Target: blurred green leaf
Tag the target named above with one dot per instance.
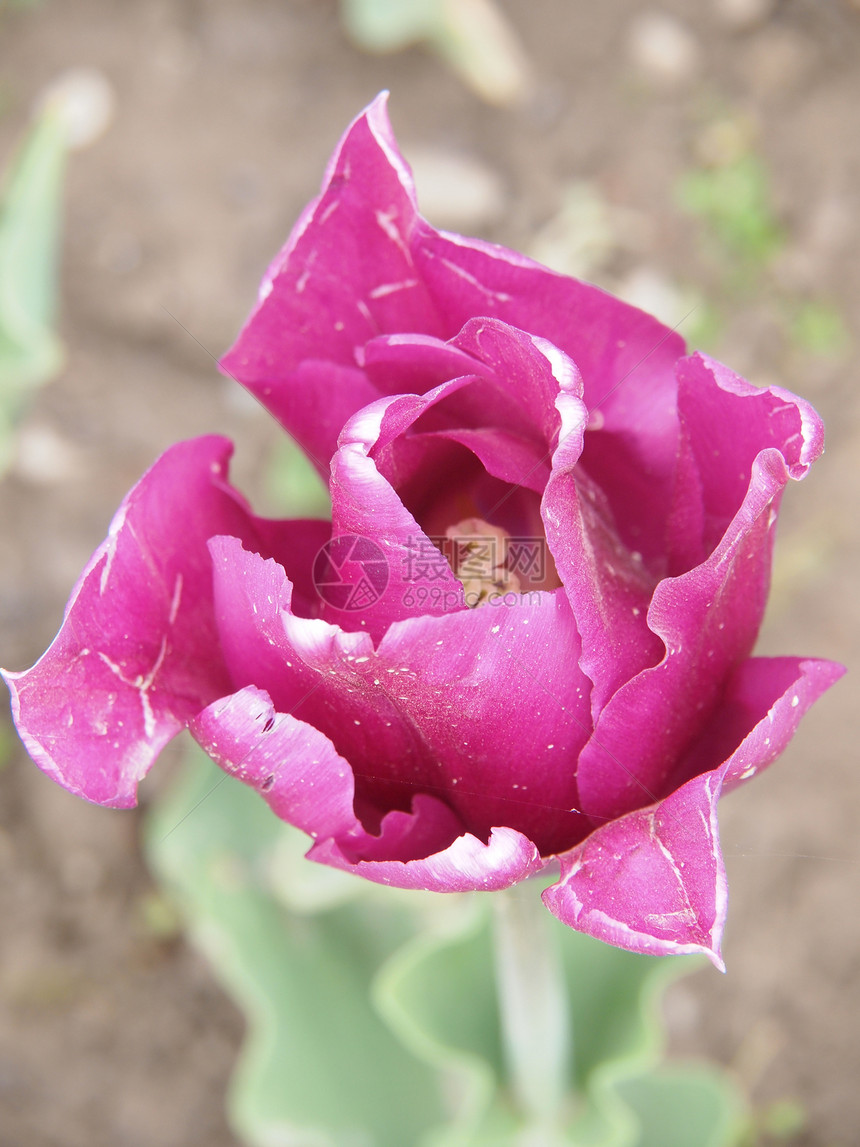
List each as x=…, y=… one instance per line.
x=319, y=1068
x=783, y=1119
x=818, y=328
x=734, y=201
x=30, y=206
x=292, y=485
x=691, y=1106
x=389, y=25
x=8, y=743
x=29, y=243
x=369, y=1028
x=438, y=994
x=471, y=36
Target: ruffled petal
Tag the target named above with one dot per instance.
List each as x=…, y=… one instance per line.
x=758, y=715
x=467, y=865
x=626, y=359
x=345, y=276
x=708, y=618
x=654, y=880
x=310, y=669
x=728, y=422
x=138, y=651
x=436, y=707
x=304, y=780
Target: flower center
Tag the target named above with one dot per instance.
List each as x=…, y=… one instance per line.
x=479, y=554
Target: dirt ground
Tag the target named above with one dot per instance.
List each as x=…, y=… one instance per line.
x=225, y=114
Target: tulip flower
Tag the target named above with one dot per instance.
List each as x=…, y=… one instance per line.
x=525, y=638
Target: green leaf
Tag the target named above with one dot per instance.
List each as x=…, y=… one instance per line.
x=373, y=1021
x=685, y=1107
x=30, y=352
x=389, y=25
x=471, y=36
x=438, y=994
x=319, y=1068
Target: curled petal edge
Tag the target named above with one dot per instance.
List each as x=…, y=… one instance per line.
x=654, y=881
x=249, y=739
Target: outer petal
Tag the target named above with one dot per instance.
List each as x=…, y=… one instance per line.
x=305, y=781
x=435, y=708
x=760, y=711
x=361, y=262
x=709, y=617
x=654, y=880
x=138, y=651
x=725, y=423
x=345, y=275
x=311, y=669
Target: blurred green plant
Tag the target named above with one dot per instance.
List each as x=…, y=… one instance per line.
x=783, y=1119
x=818, y=328
x=292, y=487
x=734, y=201
x=8, y=744
x=372, y=1012
x=30, y=205
x=471, y=36
x=730, y=193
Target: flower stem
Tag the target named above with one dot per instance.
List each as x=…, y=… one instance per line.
x=533, y=1007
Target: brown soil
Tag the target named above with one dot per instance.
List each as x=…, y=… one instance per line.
x=226, y=112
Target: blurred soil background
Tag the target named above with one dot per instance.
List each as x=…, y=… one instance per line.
x=701, y=155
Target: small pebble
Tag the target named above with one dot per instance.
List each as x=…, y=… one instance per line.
x=456, y=191
x=663, y=49
x=85, y=101
x=739, y=15
x=652, y=291
x=44, y=458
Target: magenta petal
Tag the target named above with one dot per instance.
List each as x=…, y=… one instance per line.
x=609, y=590
x=508, y=457
x=725, y=423
x=138, y=650
x=304, y=780
x=526, y=369
x=610, y=341
x=758, y=715
x=435, y=708
x=708, y=618
x=365, y=505
x=464, y=683
x=467, y=865
x=413, y=363
x=295, y=767
x=345, y=275
x=309, y=668
x=652, y=881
